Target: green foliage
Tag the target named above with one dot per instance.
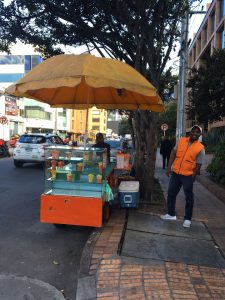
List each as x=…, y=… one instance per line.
x=166, y=91
x=124, y=127
x=141, y=33
x=207, y=90
x=213, y=139
x=166, y=85
x=216, y=167
x=170, y=118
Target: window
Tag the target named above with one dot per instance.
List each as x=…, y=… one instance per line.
x=35, y=60
x=11, y=59
x=55, y=140
x=222, y=9
x=31, y=61
x=37, y=112
x=96, y=120
x=222, y=40
x=32, y=139
x=214, y=22
x=27, y=65
x=95, y=127
x=73, y=124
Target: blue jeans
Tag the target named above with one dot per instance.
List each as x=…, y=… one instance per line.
x=175, y=184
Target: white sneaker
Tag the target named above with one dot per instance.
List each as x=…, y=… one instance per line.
x=187, y=224
x=168, y=217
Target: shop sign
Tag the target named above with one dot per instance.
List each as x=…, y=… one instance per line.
x=11, y=107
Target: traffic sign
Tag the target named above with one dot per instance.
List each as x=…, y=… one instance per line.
x=164, y=127
x=3, y=120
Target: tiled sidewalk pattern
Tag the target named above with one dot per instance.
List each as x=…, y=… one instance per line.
x=118, y=281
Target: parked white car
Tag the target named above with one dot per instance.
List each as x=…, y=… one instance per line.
x=30, y=148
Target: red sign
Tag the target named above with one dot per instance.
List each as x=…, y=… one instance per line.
x=11, y=108
x=164, y=127
x=3, y=120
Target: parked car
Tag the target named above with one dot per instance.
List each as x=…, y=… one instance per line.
x=4, y=150
x=30, y=148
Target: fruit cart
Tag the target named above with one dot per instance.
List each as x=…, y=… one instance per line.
x=76, y=186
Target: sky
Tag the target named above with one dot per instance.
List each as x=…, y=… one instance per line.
x=194, y=23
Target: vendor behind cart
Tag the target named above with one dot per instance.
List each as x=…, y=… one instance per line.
x=101, y=144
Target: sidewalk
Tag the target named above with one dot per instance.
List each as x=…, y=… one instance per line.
x=158, y=259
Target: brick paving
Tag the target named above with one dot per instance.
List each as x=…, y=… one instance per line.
x=107, y=244
x=117, y=279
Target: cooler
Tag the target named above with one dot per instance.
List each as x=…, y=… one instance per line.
x=129, y=193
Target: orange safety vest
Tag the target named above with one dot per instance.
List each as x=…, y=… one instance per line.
x=185, y=160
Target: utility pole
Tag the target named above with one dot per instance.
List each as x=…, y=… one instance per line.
x=182, y=93
x=182, y=90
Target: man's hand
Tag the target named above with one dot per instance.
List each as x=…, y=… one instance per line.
x=168, y=172
x=196, y=171
x=171, y=160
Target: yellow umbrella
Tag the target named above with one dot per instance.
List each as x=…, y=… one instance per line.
x=83, y=81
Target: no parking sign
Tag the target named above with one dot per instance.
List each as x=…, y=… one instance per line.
x=3, y=120
x=164, y=127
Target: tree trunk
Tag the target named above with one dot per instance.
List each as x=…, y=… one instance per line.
x=145, y=124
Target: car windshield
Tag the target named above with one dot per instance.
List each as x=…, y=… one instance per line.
x=39, y=139
x=32, y=139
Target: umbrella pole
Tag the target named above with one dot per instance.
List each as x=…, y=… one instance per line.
x=86, y=130
x=86, y=125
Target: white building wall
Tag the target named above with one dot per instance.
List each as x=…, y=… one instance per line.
x=10, y=69
x=20, y=124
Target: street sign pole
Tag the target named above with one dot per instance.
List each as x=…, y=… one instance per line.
x=3, y=121
x=164, y=127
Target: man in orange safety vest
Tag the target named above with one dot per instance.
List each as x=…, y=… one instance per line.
x=184, y=164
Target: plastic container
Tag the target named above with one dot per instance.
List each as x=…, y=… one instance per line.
x=126, y=160
x=120, y=160
x=55, y=154
x=129, y=193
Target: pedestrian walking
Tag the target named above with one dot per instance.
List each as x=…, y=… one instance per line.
x=184, y=164
x=165, y=150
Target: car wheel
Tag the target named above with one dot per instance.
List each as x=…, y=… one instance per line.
x=18, y=164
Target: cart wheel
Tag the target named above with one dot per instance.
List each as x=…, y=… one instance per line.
x=105, y=212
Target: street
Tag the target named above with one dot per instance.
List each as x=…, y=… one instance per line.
x=28, y=247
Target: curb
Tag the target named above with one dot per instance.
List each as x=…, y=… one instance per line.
x=212, y=187
x=102, y=244
x=87, y=252
x=86, y=284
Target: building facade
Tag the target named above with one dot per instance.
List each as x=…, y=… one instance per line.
x=97, y=121
x=26, y=115
x=210, y=36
